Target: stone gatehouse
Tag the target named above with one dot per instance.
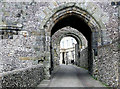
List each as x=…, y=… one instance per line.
x=29, y=31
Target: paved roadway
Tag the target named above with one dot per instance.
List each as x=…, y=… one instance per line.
x=71, y=76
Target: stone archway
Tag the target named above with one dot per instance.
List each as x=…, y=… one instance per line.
x=67, y=32
x=82, y=17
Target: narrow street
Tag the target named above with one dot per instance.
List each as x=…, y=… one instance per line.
x=71, y=76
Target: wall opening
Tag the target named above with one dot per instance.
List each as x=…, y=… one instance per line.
x=67, y=50
x=78, y=19
x=76, y=22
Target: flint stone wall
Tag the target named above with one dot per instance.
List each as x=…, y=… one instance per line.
x=25, y=77
x=83, y=61
x=108, y=64
x=33, y=16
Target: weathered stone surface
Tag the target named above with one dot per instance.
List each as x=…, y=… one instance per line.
x=26, y=77
x=108, y=64
x=33, y=41
x=83, y=60
x=64, y=32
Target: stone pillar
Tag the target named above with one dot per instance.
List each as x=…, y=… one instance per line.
x=39, y=45
x=47, y=56
x=42, y=48
x=58, y=52
x=61, y=58
x=76, y=54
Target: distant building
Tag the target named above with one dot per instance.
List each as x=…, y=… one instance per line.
x=67, y=50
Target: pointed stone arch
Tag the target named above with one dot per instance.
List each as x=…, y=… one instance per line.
x=67, y=32
x=82, y=14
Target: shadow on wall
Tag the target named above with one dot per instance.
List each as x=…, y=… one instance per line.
x=83, y=60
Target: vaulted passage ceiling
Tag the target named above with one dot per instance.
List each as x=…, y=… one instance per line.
x=75, y=22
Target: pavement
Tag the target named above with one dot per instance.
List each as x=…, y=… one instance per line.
x=71, y=76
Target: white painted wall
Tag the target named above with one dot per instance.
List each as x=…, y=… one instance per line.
x=67, y=43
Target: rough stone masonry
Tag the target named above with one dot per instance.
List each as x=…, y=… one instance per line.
x=25, y=35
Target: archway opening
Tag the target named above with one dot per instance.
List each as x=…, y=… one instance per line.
x=75, y=22
x=78, y=23
x=67, y=50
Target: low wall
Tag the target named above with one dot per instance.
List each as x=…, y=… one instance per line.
x=107, y=65
x=26, y=77
x=83, y=61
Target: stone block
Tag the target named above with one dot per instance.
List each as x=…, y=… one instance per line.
x=25, y=58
